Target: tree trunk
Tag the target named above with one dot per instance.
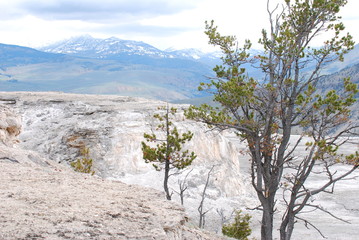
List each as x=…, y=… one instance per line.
x=165, y=181
x=287, y=227
x=267, y=202
x=267, y=226
x=167, y=163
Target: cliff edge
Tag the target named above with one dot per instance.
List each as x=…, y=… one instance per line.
x=40, y=199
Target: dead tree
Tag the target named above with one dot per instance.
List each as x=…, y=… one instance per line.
x=203, y=213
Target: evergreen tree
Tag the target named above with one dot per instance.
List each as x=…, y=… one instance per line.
x=168, y=153
x=240, y=228
x=83, y=164
x=264, y=112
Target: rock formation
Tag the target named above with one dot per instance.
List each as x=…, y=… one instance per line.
x=58, y=125
x=10, y=126
x=40, y=199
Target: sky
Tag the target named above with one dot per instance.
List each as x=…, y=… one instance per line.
x=164, y=24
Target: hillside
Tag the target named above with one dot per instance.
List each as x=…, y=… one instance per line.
x=40, y=199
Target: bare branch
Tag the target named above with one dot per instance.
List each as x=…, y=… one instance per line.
x=327, y=212
x=182, y=187
x=306, y=223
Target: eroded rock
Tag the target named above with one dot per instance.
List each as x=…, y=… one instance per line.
x=10, y=126
x=55, y=203
x=112, y=128
x=40, y=199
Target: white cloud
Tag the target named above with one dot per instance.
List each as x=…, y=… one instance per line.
x=162, y=23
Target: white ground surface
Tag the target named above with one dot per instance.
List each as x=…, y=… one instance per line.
x=113, y=127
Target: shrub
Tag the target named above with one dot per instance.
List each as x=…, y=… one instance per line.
x=240, y=229
x=84, y=164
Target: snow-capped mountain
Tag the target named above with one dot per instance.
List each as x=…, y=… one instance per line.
x=87, y=46
x=187, y=53
x=135, y=52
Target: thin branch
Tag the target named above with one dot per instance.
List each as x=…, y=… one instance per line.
x=182, y=187
x=327, y=212
x=306, y=223
x=255, y=208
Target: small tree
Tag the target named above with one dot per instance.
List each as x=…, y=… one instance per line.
x=265, y=112
x=168, y=153
x=240, y=228
x=202, y=213
x=182, y=184
x=83, y=164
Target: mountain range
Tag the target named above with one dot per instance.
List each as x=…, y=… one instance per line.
x=110, y=66
x=113, y=66
x=114, y=48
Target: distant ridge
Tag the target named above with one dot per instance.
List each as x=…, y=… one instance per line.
x=11, y=55
x=109, y=48
x=90, y=65
x=78, y=66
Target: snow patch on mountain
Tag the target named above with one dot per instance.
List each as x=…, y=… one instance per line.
x=87, y=46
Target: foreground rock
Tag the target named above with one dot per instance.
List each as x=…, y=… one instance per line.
x=40, y=199
x=52, y=203
x=57, y=125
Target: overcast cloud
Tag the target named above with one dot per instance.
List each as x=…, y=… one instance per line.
x=161, y=23
x=108, y=10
